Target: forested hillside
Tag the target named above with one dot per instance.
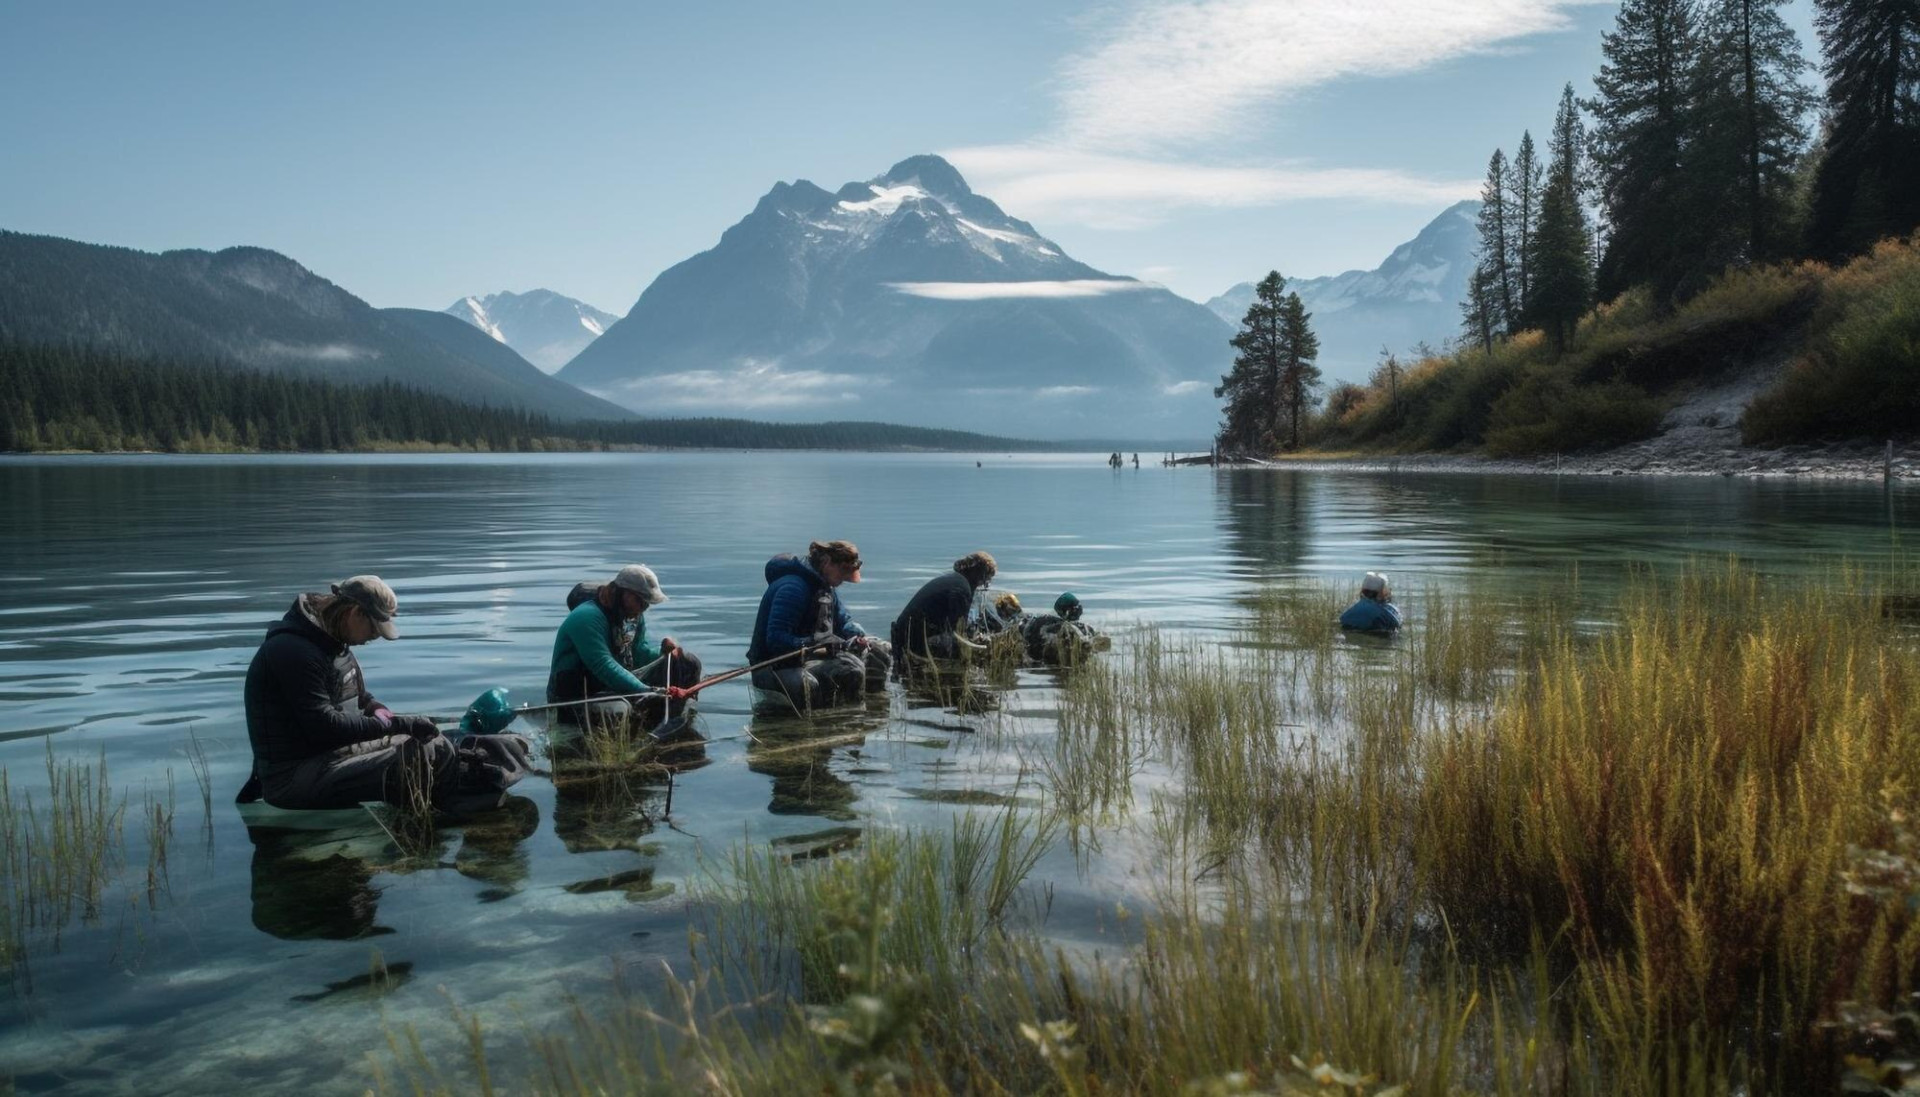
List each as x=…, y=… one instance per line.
x=54, y=398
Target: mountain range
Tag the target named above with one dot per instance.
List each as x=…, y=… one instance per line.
x=255, y=308
x=1412, y=297
x=909, y=298
x=546, y=328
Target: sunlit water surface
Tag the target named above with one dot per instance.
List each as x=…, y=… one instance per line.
x=133, y=592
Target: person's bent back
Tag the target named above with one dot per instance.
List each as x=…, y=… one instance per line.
x=1375, y=611
x=320, y=739
x=929, y=624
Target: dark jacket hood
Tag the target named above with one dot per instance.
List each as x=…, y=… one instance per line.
x=300, y=621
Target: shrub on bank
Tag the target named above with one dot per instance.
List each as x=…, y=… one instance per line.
x=1548, y=412
x=1860, y=377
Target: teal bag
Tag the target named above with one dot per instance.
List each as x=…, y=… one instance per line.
x=489, y=714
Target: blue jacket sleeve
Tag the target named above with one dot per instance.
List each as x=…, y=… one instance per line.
x=843, y=622
x=588, y=634
x=784, y=614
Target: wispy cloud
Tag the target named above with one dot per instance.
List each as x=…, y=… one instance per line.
x=987, y=291
x=754, y=384
x=1187, y=74
x=1154, y=112
x=1108, y=191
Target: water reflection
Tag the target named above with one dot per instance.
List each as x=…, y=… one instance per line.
x=317, y=884
x=797, y=754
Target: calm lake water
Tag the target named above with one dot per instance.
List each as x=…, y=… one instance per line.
x=134, y=591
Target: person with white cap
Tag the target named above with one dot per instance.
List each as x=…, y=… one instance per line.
x=1375, y=611
x=320, y=739
x=602, y=650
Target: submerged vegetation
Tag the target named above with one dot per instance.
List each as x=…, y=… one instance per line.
x=1659, y=845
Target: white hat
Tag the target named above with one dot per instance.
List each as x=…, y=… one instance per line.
x=639, y=578
x=1374, y=583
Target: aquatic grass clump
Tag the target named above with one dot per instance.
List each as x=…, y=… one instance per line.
x=1676, y=801
x=58, y=860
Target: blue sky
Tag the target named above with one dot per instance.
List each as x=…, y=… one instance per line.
x=416, y=153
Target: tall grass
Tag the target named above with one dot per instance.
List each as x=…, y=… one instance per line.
x=1653, y=845
x=56, y=859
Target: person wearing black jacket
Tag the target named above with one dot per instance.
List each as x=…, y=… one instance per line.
x=929, y=625
x=320, y=739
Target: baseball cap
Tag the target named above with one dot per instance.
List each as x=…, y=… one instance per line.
x=375, y=597
x=1374, y=583
x=639, y=578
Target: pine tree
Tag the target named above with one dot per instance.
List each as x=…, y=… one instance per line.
x=1866, y=187
x=1299, y=377
x=1640, y=132
x=1252, y=387
x=1524, y=210
x=1562, y=265
x=1476, y=312
x=1748, y=137
x=1495, y=244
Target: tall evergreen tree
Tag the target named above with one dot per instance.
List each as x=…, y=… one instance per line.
x=1495, y=241
x=1476, y=312
x=1866, y=187
x=1252, y=387
x=1640, y=131
x=1299, y=376
x=1524, y=211
x=1747, y=135
x=1562, y=264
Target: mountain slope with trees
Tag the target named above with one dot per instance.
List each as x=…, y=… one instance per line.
x=252, y=308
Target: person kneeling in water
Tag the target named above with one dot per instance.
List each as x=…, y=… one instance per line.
x=801, y=611
x=1060, y=637
x=601, y=651
x=320, y=739
x=1375, y=611
x=930, y=624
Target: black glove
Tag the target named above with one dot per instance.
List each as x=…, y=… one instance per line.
x=420, y=727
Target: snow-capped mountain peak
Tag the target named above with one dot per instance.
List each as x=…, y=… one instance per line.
x=546, y=328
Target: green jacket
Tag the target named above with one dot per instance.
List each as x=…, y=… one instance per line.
x=588, y=646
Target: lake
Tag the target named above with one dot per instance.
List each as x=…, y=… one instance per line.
x=134, y=590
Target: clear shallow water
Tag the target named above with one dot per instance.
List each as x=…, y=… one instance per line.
x=133, y=592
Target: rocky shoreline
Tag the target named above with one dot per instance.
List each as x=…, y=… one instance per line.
x=1835, y=462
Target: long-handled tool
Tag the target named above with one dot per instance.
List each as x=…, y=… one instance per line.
x=498, y=715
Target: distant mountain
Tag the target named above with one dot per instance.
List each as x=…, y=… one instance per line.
x=544, y=327
x=259, y=309
x=1414, y=295
x=910, y=298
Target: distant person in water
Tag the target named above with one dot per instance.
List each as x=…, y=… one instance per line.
x=320, y=739
x=1375, y=611
x=801, y=612
x=931, y=623
x=601, y=651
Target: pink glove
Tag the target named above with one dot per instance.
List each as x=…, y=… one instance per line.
x=384, y=715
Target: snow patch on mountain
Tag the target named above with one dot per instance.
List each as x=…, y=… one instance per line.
x=544, y=327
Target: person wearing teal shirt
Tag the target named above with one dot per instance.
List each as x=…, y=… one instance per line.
x=602, y=651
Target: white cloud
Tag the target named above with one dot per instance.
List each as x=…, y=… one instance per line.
x=1149, y=112
x=1191, y=73
x=1107, y=191
x=1181, y=388
x=754, y=384
x=1064, y=390
x=986, y=291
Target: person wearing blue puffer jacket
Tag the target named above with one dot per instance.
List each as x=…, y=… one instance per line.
x=801, y=610
x=1375, y=611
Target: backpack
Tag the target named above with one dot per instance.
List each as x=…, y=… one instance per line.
x=491, y=763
